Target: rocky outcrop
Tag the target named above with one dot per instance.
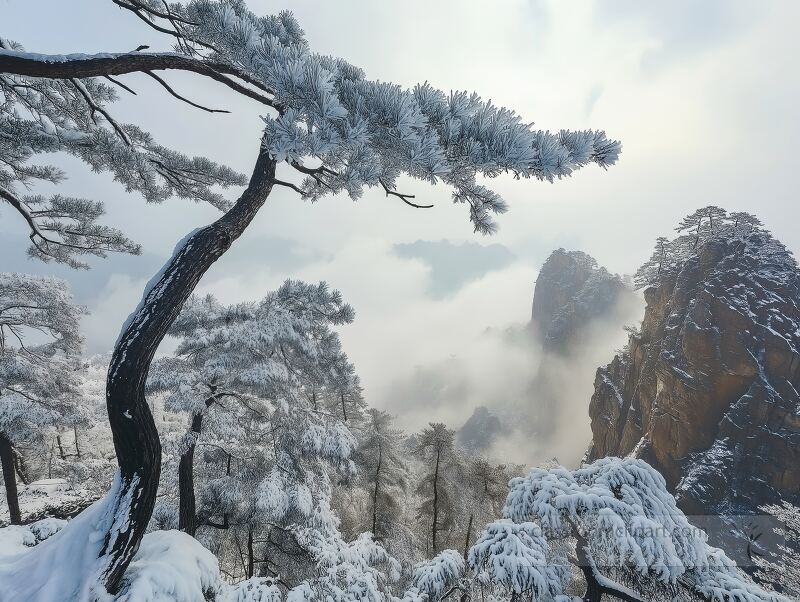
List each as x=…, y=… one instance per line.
x=480, y=431
x=571, y=291
x=707, y=390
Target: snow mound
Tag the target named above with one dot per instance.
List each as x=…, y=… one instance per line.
x=171, y=566
x=17, y=539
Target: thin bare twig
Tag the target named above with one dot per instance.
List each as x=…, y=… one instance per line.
x=179, y=97
x=290, y=185
x=315, y=172
x=403, y=197
x=120, y=84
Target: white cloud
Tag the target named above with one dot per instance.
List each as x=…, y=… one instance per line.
x=109, y=309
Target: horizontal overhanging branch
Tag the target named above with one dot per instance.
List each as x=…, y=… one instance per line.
x=59, y=66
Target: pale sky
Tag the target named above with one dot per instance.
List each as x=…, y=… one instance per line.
x=703, y=96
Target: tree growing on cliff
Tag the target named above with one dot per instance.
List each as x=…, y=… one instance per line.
x=39, y=385
x=695, y=230
x=326, y=122
x=661, y=262
x=702, y=223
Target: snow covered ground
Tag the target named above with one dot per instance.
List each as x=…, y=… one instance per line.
x=48, y=498
x=55, y=560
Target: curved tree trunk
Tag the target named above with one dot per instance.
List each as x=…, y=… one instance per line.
x=135, y=436
x=10, y=479
x=596, y=584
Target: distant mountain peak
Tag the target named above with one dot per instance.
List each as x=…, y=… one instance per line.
x=571, y=291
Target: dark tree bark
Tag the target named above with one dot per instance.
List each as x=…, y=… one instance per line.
x=468, y=537
x=595, y=589
x=10, y=479
x=104, y=64
x=250, y=559
x=19, y=466
x=344, y=409
x=61, y=452
x=188, y=520
x=187, y=514
x=435, y=526
x=135, y=436
x=77, y=447
x=375, y=492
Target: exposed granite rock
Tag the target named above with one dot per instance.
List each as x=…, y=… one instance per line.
x=570, y=292
x=707, y=391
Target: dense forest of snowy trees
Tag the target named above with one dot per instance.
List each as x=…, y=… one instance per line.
x=248, y=465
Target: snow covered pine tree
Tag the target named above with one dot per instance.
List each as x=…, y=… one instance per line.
x=627, y=528
x=39, y=385
x=244, y=362
x=383, y=471
x=325, y=120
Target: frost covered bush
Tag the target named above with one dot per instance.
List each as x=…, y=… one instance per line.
x=517, y=558
x=437, y=577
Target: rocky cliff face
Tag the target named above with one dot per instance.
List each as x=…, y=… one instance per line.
x=570, y=292
x=707, y=391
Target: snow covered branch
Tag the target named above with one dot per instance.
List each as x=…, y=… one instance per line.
x=71, y=66
x=63, y=228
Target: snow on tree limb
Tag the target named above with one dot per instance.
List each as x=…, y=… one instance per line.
x=363, y=133
x=517, y=558
x=626, y=521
